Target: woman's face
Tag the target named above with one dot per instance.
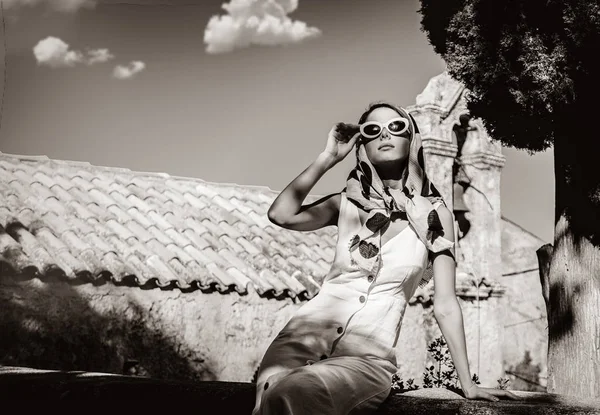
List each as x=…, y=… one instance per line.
x=386, y=148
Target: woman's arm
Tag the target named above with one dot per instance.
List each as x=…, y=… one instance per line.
x=287, y=210
x=449, y=316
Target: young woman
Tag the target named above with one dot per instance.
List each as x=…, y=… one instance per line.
x=336, y=355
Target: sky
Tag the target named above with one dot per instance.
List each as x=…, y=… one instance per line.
x=241, y=92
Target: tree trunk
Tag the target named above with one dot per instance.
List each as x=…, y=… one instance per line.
x=574, y=277
x=544, y=254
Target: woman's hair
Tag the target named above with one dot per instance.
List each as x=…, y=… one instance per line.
x=383, y=104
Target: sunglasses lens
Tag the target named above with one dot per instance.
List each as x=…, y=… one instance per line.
x=370, y=130
x=397, y=126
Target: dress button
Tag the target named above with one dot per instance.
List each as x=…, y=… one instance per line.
x=340, y=330
x=370, y=279
x=362, y=299
x=324, y=357
x=266, y=385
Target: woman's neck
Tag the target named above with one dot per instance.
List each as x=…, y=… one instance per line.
x=391, y=176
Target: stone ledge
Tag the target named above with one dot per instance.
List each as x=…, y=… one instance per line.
x=26, y=385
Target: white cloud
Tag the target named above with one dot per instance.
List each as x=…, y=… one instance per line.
x=59, y=5
x=127, y=72
x=99, y=56
x=259, y=22
x=54, y=52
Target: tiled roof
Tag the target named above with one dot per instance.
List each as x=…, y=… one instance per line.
x=85, y=222
x=88, y=223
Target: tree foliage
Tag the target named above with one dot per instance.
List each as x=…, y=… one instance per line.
x=530, y=65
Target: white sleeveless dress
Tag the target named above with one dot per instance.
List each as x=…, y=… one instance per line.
x=336, y=355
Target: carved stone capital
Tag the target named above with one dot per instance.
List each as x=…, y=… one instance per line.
x=469, y=286
x=432, y=145
x=484, y=292
x=466, y=288
x=483, y=160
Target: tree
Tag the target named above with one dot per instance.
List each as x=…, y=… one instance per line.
x=533, y=78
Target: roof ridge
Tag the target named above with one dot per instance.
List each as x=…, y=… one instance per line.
x=225, y=184
x=138, y=173
x=522, y=228
x=26, y=156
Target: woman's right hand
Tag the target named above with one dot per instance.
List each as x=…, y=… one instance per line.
x=341, y=140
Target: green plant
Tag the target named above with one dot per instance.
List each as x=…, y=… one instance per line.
x=443, y=372
x=444, y=375
x=398, y=384
x=503, y=383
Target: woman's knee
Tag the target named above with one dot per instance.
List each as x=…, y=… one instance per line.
x=297, y=381
x=296, y=386
x=276, y=395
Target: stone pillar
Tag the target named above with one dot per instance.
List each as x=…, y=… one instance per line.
x=437, y=111
x=483, y=241
x=482, y=162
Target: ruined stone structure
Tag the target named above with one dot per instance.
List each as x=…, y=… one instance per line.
x=503, y=281
x=437, y=111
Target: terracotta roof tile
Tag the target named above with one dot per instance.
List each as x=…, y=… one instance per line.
x=231, y=244
x=281, y=249
x=260, y=220
x=81, y=196
x=161, y=236
x=159, y=220
x=61, y=194
x=163, y=274
x=249, y=246
x=173, y=197
x=80, y=211
x=259, y=232
x=139, y=217
x=240, y=205
x=82, y=183
x=163, y=252
x=177, y=239
x=120, y=215
x=291, y=282
x=198, y=240
x=121, y=231
x=225, y=280
x=214, y=243
x=92, y=222
x=139, y=203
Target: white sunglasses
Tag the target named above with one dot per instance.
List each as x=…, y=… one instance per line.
x=395, y=126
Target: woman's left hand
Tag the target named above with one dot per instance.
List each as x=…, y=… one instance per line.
x=491, y=394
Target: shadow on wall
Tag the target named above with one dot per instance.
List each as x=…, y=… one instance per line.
x=525, y=376
x=50, y=325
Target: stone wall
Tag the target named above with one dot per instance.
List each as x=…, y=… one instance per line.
x=207, y=336
x=420, y=328
x=526, y=328
x=173, y=335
